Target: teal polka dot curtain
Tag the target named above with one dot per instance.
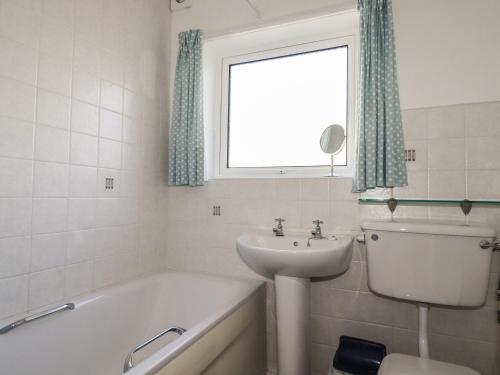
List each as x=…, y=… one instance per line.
x=380, y=149
x=186, y=149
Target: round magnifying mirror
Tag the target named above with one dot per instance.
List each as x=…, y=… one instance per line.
x=332, y=139
x=331, y=142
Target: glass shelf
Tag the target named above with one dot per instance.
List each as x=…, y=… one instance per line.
x=465, y=204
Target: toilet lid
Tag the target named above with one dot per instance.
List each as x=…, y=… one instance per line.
x=400, y=364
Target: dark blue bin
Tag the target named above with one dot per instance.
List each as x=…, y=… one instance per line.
x=358, y=357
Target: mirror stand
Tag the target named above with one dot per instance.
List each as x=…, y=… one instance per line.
x=331, y=167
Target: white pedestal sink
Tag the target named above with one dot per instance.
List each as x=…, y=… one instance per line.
x=292, y=263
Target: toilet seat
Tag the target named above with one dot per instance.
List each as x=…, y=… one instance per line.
x=401, y=364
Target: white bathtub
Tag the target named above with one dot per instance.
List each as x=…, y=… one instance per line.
x=105, y=326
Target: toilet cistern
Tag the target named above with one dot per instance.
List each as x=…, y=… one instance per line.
x=429, y=262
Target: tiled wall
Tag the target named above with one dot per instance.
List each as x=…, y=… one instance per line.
x=455, y=158
x=80, y=101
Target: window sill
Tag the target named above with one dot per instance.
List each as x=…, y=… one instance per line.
x=339, y=172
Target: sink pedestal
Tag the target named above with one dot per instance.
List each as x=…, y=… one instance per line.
x=292, y=310
x=291, y=262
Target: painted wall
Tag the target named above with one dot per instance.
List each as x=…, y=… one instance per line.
x=445, y=51
x=450, y=89
x=80, y=101
x=445, y=48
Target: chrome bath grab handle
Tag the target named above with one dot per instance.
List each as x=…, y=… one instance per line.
x=9, y=327
x=129, y=363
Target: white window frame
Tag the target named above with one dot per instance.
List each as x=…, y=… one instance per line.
x=218, y=60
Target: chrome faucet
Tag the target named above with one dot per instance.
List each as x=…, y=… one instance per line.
x=316, y=232
x=278, y=231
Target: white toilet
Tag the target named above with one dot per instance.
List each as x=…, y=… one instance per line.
x=429, y=263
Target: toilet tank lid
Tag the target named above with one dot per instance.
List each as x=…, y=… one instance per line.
x=430, y=227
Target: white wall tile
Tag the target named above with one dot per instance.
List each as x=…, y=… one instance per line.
x=315, y=189
x=110, y=125
x=17, y=99
x=84, y=149
x=454, y=214
x=82, y=181
x=313, y=210
x=86, y=54
x=78, y=279
x=109, y=211
x=46, y=287
x=109, y=240
x=15, y=216
x=15, y=177
x=343, y=215
x=111, y=97
x=483, y=184
x=54, y=55
x=341, y=190
x=55, y=75
x=131, y=158
x=81, y=213
x=104, y=271
x=84, y=118
x=49, y=215
x=112, y=67
x=411, y=212
x=417, y=185
x=446, y=185
x=447, y=154
x=132, y=104
x=482, y=153
x=14, y=295
x=131, y=130
x=48, y=251
x=110, y=154
x=51, y=144
x=53, y=110
x=86, y=87
x=14, y=256
x=473, y=324
x=50, y=179
x=288, y=189
x=17, y=138
x=81, y=246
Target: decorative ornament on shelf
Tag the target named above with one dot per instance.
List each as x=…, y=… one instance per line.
x=180, y=4
x=257, y=11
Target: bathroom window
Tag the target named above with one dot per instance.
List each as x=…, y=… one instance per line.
x=274, y=104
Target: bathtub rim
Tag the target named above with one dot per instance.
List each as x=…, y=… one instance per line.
x=176, y=347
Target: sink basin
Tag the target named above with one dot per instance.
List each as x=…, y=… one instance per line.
x=292, y=263
x=290, y=256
